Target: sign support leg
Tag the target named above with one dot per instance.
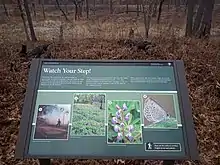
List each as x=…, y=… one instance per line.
x=168, y=162
x=44, y=161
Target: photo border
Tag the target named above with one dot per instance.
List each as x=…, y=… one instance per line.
x=175, y=110
x=77, y=136
x=34, y=124
x=124, y=144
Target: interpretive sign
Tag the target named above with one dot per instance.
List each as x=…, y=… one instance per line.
x=107, y=109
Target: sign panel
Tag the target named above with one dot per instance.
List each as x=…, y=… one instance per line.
x=96, y=109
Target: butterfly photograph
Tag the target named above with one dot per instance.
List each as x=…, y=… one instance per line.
x=159, y=111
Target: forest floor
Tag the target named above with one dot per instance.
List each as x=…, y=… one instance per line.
x=202, y=64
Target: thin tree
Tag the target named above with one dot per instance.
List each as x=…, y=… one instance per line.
x=80, y=4
x=87, y=9
x=138, y=10
x=202, y=23
x=101, y=101
x=189, y=23
x=76, y=9
x=147, y=18
x=177, y=4
x=160, y=11
x=127, y=6
x=5, y=8
x=66, y=7
x=168, y=4
x=205, y=28
x=185, y=4
x=43, y=9
x=94, y=4
x=58, y=5
x=198, y=18
x=29, y=19
x=110, y=6
x=34, y=10
x=23, y=19
x=155, y=8
x=61, y=34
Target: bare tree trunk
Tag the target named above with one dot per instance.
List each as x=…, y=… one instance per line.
x=66, y=8
x=23, y=19
x=205, y=28
x=149, y=16
x=189, y=23
x=87, y=9
x=58, y=5
x=29, y=19
x=76, y=11
x=182, y=2
x=141, y=7
x=177, y=4
x=80, y=6
x=168, y=6
x=199, y=16
x=5, y=8
x=61, y=38
x=138, y=8
x=186, y=4
x=43, y=9
x=110, y=6
x=160, y=11
x=34, y=10
x=127, y=6
x=147, y=19
x=155, y=8
x=94, y=4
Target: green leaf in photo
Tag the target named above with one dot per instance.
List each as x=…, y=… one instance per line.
x=130, y=119
x=136, y=121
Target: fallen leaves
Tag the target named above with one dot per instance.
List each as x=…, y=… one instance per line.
x=201, y=64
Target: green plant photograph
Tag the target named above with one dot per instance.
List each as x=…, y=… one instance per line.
x=167, y=124
x=124, y=122
x=88, y=115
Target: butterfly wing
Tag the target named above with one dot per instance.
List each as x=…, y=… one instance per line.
x=148, y=108
x=153, y=112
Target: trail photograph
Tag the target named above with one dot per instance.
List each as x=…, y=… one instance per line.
x=52, y=122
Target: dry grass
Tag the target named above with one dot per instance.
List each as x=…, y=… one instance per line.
x=97, y=40
x=201, y=60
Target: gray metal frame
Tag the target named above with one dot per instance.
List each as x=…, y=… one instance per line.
x=27, y=110
x=30, y=98
x=187, y=111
